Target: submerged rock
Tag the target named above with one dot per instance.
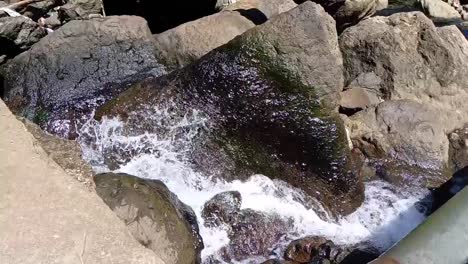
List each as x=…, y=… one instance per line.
x=269, y=96
x=254, y=233
x=251, y=233
x=223, y=208
x=154, y=215
x=82, y=64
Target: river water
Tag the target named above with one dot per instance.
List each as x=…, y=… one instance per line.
x=387, y=214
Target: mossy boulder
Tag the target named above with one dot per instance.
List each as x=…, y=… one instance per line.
x=154, y=215
x=269, y=97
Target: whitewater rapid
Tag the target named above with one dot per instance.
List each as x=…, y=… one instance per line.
x=387, y=214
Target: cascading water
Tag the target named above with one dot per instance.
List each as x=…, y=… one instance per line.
x=387, y=214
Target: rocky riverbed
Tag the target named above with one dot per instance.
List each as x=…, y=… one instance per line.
x=248, y=131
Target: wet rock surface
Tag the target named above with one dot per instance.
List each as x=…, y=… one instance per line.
x=269, y=95
x=154, y=216
x=222, y=208
x=251, y=233
x=84, y=63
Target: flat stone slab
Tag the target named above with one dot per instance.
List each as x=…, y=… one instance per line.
x=46, y=216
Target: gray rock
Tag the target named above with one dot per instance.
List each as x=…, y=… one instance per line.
x=75, y=9
x=407, y=131
x=440, y=11
x=412, y=58
x=188, y=42
x=270, y=97
x=17, y=34
x=153, y=215
x=414, y=61
x=459, y=148
x=63, y=75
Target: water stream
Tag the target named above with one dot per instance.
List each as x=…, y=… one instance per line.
x=387, y=214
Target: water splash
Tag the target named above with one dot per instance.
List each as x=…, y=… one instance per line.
x=158, y=152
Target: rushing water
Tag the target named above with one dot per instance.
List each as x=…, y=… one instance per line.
x=386, y=216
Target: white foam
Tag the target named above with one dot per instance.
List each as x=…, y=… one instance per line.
x=385, y=217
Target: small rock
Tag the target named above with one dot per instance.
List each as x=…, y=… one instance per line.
x=254, y=233
x=222, y=208
x=356, y=99
x=305, y=249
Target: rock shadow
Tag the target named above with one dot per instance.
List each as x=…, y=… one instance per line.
x=254, y=15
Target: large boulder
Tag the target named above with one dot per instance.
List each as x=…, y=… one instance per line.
x=423, y=70
x=80, y=65
x=66, y=153
x=412, y=58
x=188, y=42
x=269, y=97
x=18, y=34
x=154, y=215
x=412, y=133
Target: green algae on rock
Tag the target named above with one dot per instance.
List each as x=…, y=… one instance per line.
x=270, y=96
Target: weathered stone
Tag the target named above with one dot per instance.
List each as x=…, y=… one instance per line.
x=458, y=152
x=440, y=11
x=356, y=99
x=350, y=12
x=413, y=60
x=75, y=9
x=67, y=154
x=188, y=42
x=269, y=97
x=92, y=61
x=17, y=34
x=407, y=131
x=153, y=215
x=223, y=208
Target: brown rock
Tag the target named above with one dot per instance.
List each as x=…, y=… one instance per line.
x=356, y=99
x=304, y=250
x=154, y=216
